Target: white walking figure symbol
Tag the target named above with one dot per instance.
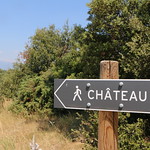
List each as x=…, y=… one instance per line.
x=77, y=93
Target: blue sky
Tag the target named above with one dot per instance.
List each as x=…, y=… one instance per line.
x=19, y=20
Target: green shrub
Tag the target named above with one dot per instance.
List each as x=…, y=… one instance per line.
x=131, y=134
x=34, y=94
x=87, y=130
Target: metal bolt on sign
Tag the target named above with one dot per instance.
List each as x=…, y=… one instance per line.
x=121, y=106
x=88, y=85
x=88, y=105
x=121, y=84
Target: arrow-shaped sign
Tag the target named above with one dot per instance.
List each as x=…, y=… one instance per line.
x=103, y=94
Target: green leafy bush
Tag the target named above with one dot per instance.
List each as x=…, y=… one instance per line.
x=131, y=134
x=34, y=94
x=87, y=129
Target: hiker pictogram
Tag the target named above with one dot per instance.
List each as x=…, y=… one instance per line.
x=77, y=93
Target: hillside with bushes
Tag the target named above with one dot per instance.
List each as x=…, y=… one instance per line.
x=117, y=30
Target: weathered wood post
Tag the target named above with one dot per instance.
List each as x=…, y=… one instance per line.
x=108, y=121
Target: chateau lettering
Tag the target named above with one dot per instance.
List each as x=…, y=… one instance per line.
x=109, y=94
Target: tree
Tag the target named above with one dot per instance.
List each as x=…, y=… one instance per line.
x=115, y=27
x=50, y=54
x=118, y=30
x=41, y=51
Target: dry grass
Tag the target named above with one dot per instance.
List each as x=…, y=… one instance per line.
x=16, y=133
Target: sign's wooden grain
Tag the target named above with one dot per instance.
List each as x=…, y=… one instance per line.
x=108, y=121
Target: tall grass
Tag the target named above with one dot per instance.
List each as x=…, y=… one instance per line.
x=16, y=133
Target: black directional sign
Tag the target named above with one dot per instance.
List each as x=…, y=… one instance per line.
x=103, y=94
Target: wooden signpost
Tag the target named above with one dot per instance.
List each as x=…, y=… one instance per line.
x=108, y=95
x=108, y=121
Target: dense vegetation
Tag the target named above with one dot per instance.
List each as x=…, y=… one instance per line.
x=118, y=30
